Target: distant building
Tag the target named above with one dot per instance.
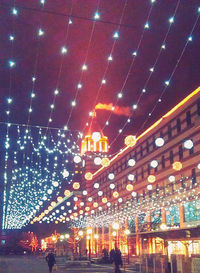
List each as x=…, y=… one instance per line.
x=151, y=190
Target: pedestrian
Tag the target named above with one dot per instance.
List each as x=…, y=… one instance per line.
x=112, y=253
x=117, y=260
x=50, y=258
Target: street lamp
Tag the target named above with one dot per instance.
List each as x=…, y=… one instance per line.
x=127, y=232
x=96, y=237
x=115, y=226
x=89, y=233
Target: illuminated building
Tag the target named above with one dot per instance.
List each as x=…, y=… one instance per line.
x=152, y=189
x=94, y=147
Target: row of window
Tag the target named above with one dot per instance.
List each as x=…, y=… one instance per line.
x=150, y=146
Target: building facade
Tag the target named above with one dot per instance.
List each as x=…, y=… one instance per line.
x=146, y=199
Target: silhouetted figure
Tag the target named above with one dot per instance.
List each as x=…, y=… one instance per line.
x=117, y=260
x=50, y=258
x=112, y=253
x=105, y=255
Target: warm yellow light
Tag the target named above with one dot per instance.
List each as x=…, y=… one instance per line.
x=75, y=214
x=89, y=231
x=95, y=205
x=163, y=226
x=76, y=185
x=177, y=166
x=80, y=233
x=151, y=178
x=81, y=211
x=130, y=141
x=127, y=232
x=50, y=208
x=129, y=187
x=59, y=199
x=46, y=211
x=104, y=200
x=53, y=238
x=105, y=162
x=67, y=193
x=115, y=225
x=53, y=204
x=87, y=208
x=96, y=236
x=88, y=176
x=115, y=194
x=56, y=222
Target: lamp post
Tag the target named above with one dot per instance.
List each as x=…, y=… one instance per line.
x=96, y=237
x=116, y=227
x=89, y=234
x=127, y=232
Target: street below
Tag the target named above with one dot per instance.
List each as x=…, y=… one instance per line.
x=31, y=264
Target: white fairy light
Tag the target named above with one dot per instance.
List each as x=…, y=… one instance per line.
x=110, y=58
x=84, y=67
x=96, y=15
x=63, y=50
x=73, y=103
x=40, y=32
x=131, y=162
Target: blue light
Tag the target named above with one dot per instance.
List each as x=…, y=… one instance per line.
x=14, y=11
x=116, y=35
x=190, y=38
x=146, y=26
x=96, y=15
x=11, y=63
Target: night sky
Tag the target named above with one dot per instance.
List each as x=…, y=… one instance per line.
x=41, y=56
x=168, y=48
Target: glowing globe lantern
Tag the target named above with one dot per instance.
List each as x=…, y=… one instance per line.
x=159, y=142
x=50, y=208
x=115, y=226
x=96, y=136
x=53, y=204
x=115, y=194
x=171, y=178
x=88, y=176
x=134, y=194
x=130, y=141
x=77, y=159
x=131, y=177
x=81, y=211
x=59, y=199
x=154, y=164
x=104, y=200
x=131, y=162
x=65, y=173
x=112, y=186
x=111, y=176
x=105, y=162
x=97, y=161
x=87, y=208
x=151, y=178
x=129, y=187
x=177, y=166
x=149, y=187
x=67, y=193
x=76, y=185
x=95, y=205
x=188, y=144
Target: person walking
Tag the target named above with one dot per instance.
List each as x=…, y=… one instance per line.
x=117, y=257
x=50, y=258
